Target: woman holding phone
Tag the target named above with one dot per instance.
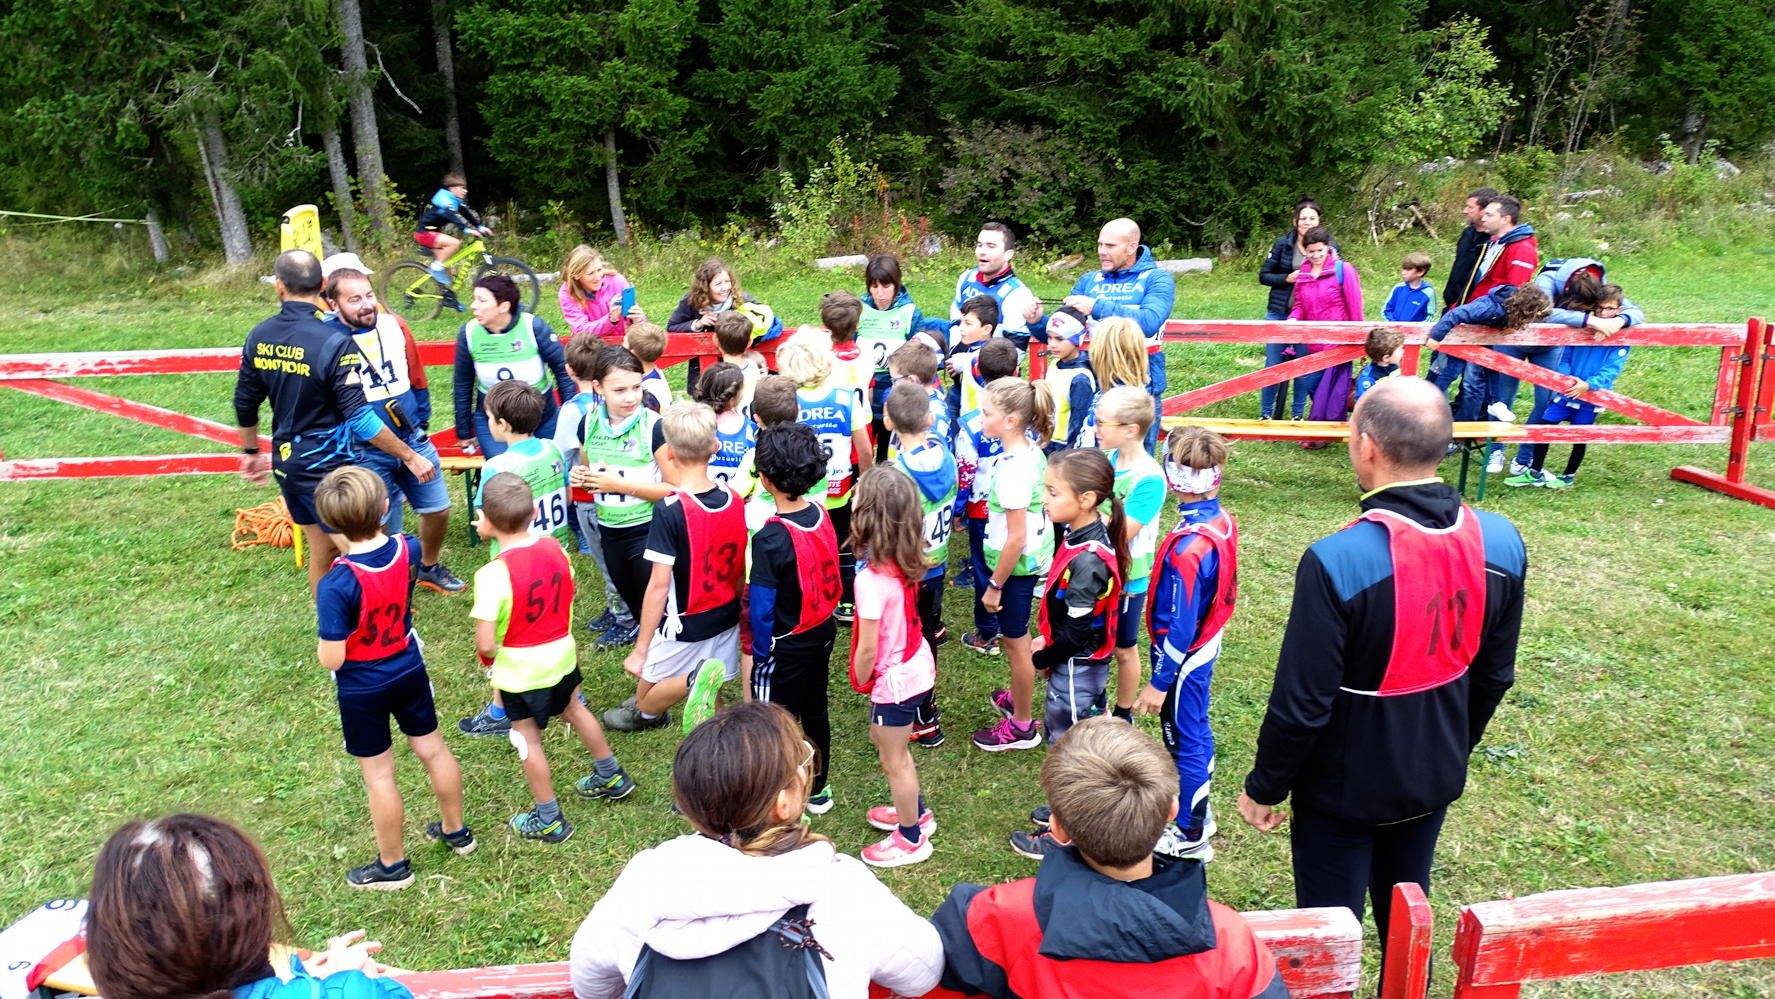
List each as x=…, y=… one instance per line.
x=596, y=299
x=713, y=290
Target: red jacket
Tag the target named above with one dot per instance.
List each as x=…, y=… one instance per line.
x=1511, y=259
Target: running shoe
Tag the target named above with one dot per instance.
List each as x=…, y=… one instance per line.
x=1500, y=412
x=461, y=842
x=1560, y=481
x=483, y=725
x=1006, y=735
x=887, y=819
x=627, y=718
x=821, y=803
x=439, y=578
x=1042, y=816
x=1034, y=845
x=602, y=623
x=1494, y=464
x=981, y=644
x=614, y=788
x=845, y=613
x=617, y=637
x=699, y=703
x=1001, y=702
x=529, y=825
x=895, y=851
x=1517, y=468
x=1530, y=477
x=1175, y=845
x=374, y=877
x=929, y=738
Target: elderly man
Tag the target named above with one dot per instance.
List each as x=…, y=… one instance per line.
x=1129, y=283
x=1400, y=644
x=394, y=385
x=309, y=371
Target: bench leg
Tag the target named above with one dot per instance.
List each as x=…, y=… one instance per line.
x=1485, y=459
x=1466, y=456
x=471, y=484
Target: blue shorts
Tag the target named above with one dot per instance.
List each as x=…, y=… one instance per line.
x=898, y=715
x=364, y=716
x=299, y=498
x=423, y=497
x=1577, y=416
x=1128, y=615
x=1015, y=601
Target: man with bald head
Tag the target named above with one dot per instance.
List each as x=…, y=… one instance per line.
x=1129, y=283
x=1400, y=644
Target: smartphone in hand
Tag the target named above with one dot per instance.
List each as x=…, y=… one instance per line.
x=628, y=300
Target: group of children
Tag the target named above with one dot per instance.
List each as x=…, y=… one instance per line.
x=737, y=530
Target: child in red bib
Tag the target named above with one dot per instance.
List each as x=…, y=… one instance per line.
x=1076, y=615
x=793, y=592
x=364, y=606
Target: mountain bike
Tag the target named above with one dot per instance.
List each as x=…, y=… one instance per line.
x=410, y=289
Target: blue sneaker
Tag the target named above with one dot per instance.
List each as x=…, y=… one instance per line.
x=530, y=826
x=602, y=623
x=439, y=578
x=617, y=637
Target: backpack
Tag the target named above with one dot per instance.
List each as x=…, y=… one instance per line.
x=783, y=962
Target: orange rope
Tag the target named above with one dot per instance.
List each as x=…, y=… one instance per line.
x=265, y=524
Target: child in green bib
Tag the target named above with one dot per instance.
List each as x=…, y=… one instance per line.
x=514, y=410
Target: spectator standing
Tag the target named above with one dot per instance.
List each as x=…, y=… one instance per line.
x=1130, y=284
x=1467, y=250
x=1279, y=272
x=1019, y=310
x=1372, y=716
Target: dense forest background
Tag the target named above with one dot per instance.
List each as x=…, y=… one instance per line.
x=842, y=121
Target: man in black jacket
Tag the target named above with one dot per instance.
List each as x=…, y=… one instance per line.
x=1467, y=249
x=1400, y=644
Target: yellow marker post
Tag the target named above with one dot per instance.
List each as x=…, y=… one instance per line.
x=301, y=231
x=296, y=538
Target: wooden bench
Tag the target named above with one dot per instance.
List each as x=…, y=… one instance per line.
x=1592, y=931
x=1475, y=434
x=1319, y=952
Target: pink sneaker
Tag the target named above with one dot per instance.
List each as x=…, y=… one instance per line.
x=885, y=818
x=1006, y=735
x=1001, y=700
x=896, y=852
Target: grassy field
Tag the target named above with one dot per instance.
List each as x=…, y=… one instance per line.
x=151, y=669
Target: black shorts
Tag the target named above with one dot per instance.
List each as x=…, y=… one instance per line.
x=364, y=716
x=542, y=703
x=899, y=715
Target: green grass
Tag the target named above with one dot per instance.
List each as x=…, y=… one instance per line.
x=151, y=669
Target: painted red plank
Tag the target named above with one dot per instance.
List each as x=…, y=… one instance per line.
x=1267, y=331
x=109, y=468
x=1725, y=383
x=1592, y=931
x=509, y=981
x=1744, y=421
x=140, y=412
x=1251, y=381
x=1720, y=484
x=1760, y=417
x=1547, y=378
x=1407, y=974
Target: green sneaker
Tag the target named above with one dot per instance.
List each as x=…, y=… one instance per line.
x=1528, y=478
x=530, y=826
x=1559, y=482
x=699, y=704
x=614, y=788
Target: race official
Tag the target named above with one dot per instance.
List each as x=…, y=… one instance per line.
x=309, y=372
x=1400, y=643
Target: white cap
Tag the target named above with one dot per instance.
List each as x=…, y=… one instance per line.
x=342, y=261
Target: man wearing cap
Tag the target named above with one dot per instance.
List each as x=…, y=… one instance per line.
x=1069, y=375
x=1129, y=283
x=308, y=369
x=1399, y=646
x=394, y=385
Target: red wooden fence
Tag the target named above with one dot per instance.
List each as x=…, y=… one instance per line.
x=1739, y=412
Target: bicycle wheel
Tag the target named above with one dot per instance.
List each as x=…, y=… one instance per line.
x=529, y=289
x=409, y=290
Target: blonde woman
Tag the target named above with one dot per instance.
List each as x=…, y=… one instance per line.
x=591, y=297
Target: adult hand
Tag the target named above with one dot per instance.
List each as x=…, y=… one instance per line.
x=1033, y=313
x=615, y=311
x=1263, y=818
x=992, y=599
x=1291, y=277
x=704, y=321
x=578, y=476
x=633, y=662
x=1037, y=644
x=636, y=315
x=469, y=447
x=255, y=468
x=1150, y=702
x=488, y=233
x=1606, y=325
x=421, y=468
x=346, y=952
x=1081, y=303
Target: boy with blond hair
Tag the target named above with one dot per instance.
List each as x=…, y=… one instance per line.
x=648, y=342
x=690, y=614
x=1124, y=414
x=364, y=605
x=916, y=363
x=1105, y=917
x=840, y=415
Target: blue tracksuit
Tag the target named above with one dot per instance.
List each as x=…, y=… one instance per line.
x=1372, y=375
x=1179, y=608
x=1409, y=305
x=1145, y=294
x=1598, y=365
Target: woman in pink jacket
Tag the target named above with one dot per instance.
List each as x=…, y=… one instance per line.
x=591, y=297
x=1327, y=289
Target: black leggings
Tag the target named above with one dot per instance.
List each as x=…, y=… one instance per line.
x=1571, y=463
x=797, y=682
x=1336, y=863
x=847, y=559
x=624, y=549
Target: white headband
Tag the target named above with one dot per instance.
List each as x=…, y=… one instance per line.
x=1184, y=479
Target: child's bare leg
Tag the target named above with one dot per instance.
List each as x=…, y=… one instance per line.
x=446, y=776
x=1127, y=677
x=536, y=765
x=586, y=724
x=892, y=744
x=658, y=697
x=1022, y=677
x=745, y=678
x=386, y=812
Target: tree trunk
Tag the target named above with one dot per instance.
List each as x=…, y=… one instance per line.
x=212, y=150
x=440, y=26
x=329, y=140
x=619, y=221
x=157, y=237
x=364, y=135
x=1694, y=135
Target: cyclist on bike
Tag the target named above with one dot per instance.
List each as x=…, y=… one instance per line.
x=448, y=207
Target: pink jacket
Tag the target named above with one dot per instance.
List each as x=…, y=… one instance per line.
x=1327, y=298
x=594, y=316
